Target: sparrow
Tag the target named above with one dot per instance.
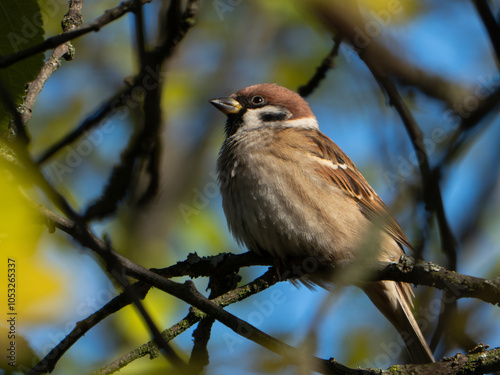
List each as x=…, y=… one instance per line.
x=288, y=190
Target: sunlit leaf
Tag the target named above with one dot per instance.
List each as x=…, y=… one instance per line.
x=36, y=285
x=387, y=11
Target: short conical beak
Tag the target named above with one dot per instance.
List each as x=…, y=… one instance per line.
x=226, y=105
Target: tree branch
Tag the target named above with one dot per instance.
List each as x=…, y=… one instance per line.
x=140, y=34
x=72, y=20
x=431, y=191
x=17, y=131
x=47, y=364
x=327, y=64
x=406, y=269
x=465, y=286
x=218, y=285
x=461, y=135
x=116, y=265
x=96, y=25
x=194, y=316
x=491, y=25
x=106, y=109
x=144, y=147
x=430, y=274
x=344, y=18
x=476, y=364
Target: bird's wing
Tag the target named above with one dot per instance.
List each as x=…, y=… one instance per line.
x=336, y=166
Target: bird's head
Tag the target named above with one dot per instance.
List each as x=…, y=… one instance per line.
x=265, y=105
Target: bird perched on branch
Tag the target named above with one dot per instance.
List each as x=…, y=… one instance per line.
x=290, y=191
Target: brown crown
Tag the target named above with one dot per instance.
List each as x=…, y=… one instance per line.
x=278, y=95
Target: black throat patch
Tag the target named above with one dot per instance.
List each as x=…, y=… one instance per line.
x=233, y=123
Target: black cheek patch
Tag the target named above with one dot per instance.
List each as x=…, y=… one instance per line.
x=273, y=116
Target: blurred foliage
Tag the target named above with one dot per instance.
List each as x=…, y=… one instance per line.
x=25, y=356
x=39, y=284
x=402, y=9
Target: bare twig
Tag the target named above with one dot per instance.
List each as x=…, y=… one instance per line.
x=461, y=135
x=327, y=64
x=17, y=130
x=418, y=273
x=343, y=17
x=406, y=270
x=107, y=109
x=48, y=363
x=218, y=284
x=140, y=34
x=72, y=20
x=464, y=286
x=35, y=87
x=491, y=25
x=430, y=274
x=431, y=193
x=144, y=147
x=55, y=41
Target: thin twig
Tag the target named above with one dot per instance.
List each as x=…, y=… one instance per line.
x=71, y=21
x=491, y=25
x=432, y=193
x=115, y=267
x=218, y=285
x=194, y=316
x=107, y=109
x=327, y=64
x=48, y=363
x=140, y=34
x=17, y=130
x=462, y=134
x=96, y=25
x=438, y=277
x=144, y=148
x=407, y=270
x=344, y=17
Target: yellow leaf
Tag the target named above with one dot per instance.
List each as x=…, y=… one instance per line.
x=387, y=11
x=158, y=305
x=34, y=285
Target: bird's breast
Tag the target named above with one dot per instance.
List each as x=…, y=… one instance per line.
x=274, y=203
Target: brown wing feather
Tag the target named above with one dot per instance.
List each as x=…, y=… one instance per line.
x=344, y=173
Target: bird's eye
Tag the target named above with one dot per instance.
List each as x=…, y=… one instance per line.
x=258, y=99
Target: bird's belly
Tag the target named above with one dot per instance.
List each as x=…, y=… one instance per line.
x=280, y=214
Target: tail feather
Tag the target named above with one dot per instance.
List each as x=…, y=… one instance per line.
x=394, y=300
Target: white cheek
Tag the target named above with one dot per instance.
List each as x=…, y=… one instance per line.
x=304, y=123
x=252, y=117
x=251, y=120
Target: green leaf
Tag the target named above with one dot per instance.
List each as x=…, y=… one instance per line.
x=21, y=26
